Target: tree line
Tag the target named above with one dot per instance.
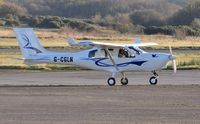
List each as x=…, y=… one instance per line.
x=117, y=14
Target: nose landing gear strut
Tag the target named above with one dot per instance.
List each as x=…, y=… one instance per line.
x=154, y=79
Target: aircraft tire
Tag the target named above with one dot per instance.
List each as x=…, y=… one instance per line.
x=111, y=81
x=124, y=81
x=153, y=80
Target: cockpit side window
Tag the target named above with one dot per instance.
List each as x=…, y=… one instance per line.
x=92, y=53
x=97, y=53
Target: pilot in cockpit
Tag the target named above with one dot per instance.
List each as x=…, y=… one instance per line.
x=123, y=53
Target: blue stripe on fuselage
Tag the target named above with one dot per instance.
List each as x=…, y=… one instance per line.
x=98, y=62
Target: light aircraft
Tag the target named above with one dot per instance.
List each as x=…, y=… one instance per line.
x=114, y=58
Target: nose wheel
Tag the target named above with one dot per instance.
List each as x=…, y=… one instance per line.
x=154, y=79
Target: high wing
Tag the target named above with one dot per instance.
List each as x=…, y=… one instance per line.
x=123, y=45
x=106, y=46
x=88, y=43
x=142, y=44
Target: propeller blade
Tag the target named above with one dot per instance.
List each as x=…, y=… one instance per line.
x=170, y=49
x=174, y=66
x=173, y=61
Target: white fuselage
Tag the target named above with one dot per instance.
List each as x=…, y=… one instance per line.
x=139, y=62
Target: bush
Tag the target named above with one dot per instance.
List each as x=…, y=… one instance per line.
x=89, y=21
x=168, y=30
x=34, y=21
x=79, y=25
x=50, y=22
x=189, y=30
x=186, y=15
x=147, y=18
x=179, y=31
x=180, y=34
x=8, y=8
x=12, y=23
x=128, y=28
x=196, y=23
x=2, y=22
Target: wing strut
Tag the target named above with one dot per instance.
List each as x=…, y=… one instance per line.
x=112, y=60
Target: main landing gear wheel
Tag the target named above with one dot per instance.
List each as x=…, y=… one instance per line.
x=124, y=81
x=111, y=81
x=153, y=80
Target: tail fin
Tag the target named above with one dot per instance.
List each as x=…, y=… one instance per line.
x=138, y=40
x=28, y=42
x=83, y=43
x=71, y=41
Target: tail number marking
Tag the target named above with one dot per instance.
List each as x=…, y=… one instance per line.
x=63, y=59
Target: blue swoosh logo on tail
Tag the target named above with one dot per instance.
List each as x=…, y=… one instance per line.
x=29, y=46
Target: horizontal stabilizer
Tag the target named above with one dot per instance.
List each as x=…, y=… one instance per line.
x=13, y=58
x=84, y=43
x=138, y=40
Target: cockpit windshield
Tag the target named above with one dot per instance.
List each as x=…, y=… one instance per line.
x=135, y=50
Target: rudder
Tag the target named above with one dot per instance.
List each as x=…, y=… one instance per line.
x=28, y=42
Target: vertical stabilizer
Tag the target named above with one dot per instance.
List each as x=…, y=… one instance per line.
x=138, y=40
x=28, y=42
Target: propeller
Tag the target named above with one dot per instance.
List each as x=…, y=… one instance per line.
x=173, y=59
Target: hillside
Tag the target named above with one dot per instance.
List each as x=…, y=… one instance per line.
x=127, y=16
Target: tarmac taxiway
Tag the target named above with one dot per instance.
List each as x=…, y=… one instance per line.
x=84, y=98
x=166, y=77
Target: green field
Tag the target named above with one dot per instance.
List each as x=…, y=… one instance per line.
x=57, y=40
x=9, y=61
